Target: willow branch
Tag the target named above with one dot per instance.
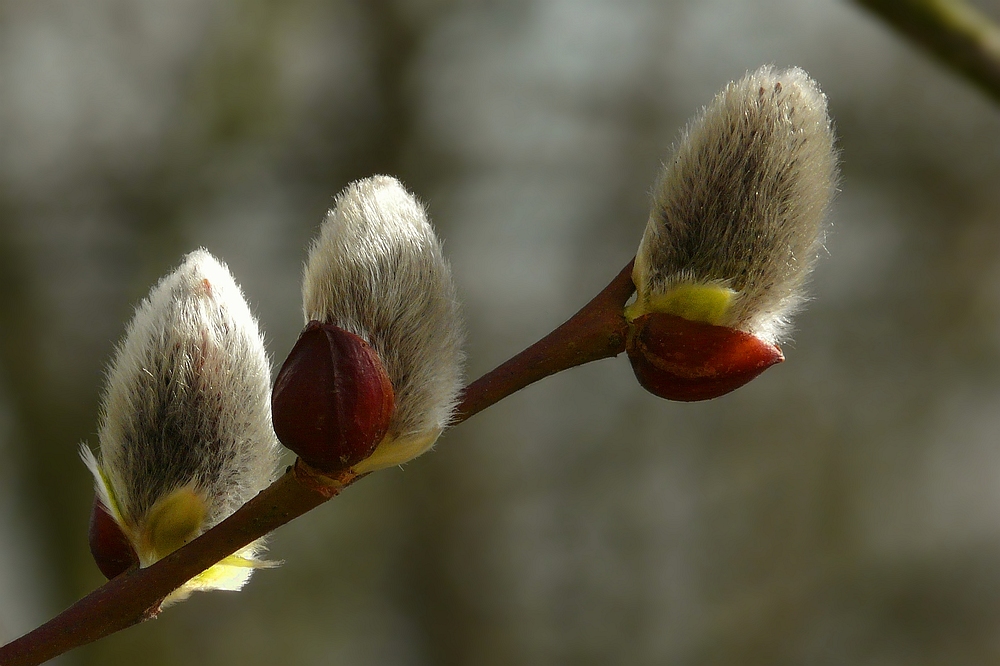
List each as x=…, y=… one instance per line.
x=596, y=331
x=957, y=33
x=137, y=594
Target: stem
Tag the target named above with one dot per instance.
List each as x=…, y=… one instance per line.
x=136, y=595
x=954, y=31
x=597, y=331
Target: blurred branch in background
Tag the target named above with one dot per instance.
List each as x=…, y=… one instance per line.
x=954, y=31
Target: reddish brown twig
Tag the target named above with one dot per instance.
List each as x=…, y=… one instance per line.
x=136, y=595
x=597, y=331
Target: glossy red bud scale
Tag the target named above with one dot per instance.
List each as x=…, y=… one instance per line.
x=332, y=399
x=111, y=549
x=679, y=359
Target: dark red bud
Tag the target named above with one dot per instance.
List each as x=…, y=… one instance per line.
x=679, y=359
x=332, y=399
x=108, y=544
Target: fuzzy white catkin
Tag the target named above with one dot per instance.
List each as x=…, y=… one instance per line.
x=187, y=405
x=741, y=202
x=377, y=270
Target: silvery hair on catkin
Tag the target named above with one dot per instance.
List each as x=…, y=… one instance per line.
x=377, y=270
x=741, y=202
x=188, y=397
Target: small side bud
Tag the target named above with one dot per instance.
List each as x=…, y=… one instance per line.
x=332, y=400
x=734, y=230
x=377, y=271
x=185, y=433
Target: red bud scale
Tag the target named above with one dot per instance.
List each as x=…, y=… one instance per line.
x=679, y=359
x=111, y=549
x=332, y=400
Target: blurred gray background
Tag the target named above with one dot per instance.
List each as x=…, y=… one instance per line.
x=842, y=509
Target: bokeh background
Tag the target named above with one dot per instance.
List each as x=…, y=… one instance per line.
x=842, y=509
